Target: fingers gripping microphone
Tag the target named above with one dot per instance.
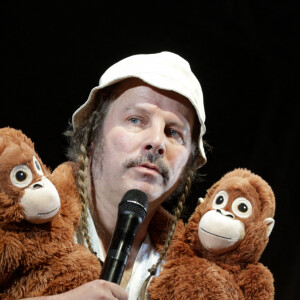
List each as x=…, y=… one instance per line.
x=132, y=211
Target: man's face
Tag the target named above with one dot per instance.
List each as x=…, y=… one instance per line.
x=146, y=142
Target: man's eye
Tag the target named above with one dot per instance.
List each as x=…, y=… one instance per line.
x=134, y=121
x=174, y=134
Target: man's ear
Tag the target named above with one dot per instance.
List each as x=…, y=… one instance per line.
x=270, y=223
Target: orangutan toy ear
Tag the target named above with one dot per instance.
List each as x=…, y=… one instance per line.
x=270, y=223
x=200, y=200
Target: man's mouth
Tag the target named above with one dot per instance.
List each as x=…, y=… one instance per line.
x=149, y=162
x=150, y=166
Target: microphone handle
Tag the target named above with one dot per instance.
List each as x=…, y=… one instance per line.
x=116, y=259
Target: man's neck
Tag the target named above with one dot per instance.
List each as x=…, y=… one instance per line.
x=105, y=217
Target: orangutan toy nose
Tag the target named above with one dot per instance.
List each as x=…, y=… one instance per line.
x=37, y=186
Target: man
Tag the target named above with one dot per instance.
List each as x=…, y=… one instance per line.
x=141, y=128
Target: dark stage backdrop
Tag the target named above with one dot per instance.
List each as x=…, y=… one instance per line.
x=245, y=54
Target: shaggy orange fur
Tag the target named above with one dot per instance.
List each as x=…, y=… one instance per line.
x=39, y=259
x=192, y=271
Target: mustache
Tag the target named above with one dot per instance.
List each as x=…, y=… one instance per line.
x=156, y=160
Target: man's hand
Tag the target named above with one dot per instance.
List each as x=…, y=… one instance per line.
x=93, y=290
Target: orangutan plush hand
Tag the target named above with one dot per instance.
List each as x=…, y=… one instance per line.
x=215, y=256
x=39, y=213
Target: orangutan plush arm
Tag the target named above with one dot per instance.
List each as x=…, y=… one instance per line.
x=11, y=252
x=257, y=282
x=193, y=278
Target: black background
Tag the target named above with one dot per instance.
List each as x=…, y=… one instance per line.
x=245, y=54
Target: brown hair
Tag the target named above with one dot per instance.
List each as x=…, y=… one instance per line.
x=79, y=151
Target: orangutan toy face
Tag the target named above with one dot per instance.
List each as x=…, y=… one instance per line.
x=232, y=207
x=25, y=192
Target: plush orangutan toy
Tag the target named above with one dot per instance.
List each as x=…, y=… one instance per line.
x=215, y=256
x=39, y=213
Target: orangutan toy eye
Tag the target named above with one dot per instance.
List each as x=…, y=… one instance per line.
x=21, y=176
x=242, y=207
x=220, y=200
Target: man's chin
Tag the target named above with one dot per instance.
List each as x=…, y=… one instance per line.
x=153, y=191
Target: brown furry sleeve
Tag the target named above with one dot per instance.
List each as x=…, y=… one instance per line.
x=159, y=227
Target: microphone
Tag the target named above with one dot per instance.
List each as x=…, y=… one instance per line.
x=131, y=213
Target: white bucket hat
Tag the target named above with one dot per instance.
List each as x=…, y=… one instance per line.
x=165, y=70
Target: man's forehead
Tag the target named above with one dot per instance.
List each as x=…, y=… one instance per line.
x=132, y=93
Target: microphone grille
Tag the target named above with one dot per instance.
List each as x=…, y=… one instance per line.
x=135, y=201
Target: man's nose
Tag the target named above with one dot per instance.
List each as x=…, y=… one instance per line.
x=155, y=139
